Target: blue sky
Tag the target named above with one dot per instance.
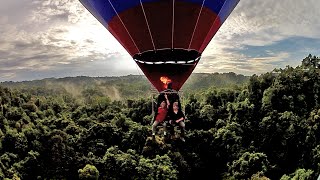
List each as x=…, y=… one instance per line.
x=59, y=38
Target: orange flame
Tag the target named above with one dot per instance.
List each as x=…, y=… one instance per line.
x=165, y=80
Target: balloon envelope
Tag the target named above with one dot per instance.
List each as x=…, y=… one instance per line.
x=165, y=37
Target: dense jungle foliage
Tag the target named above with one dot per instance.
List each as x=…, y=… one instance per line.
x=265, y=129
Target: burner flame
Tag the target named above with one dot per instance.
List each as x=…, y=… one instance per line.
x=165, y=80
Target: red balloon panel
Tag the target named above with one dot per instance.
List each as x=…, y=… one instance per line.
x=159, y=16
x=117, y=29
x=185, y=19
x=208, y=20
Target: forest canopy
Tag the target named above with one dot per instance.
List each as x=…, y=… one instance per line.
x=260, y=127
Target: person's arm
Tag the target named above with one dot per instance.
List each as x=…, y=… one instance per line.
x=167, y=100
x=169, y=117
x=181, y=117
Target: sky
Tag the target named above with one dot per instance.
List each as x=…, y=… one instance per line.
x=60, y=38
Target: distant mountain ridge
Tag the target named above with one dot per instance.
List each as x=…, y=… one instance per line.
x=130, y=86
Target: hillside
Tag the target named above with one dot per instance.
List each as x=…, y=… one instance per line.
x=123, y=87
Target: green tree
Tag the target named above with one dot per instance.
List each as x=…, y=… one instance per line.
x=248, y=165
x=89, y=172
x=299, y=174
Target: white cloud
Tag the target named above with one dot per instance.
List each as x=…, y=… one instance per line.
x=261, y=22
x=8, y=75
x=50, y=35
x=53, y=33
x=241, y=63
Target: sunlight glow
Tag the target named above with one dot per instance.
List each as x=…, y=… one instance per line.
x=90, y=36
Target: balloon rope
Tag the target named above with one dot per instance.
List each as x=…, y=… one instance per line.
x=172, y=35
x=138, y=69
x=124, y=25
x=145, y=16
x=195, y=27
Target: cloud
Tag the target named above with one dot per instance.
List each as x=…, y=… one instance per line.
x=263, y=22
x=43, y=38
x=53, y=34
x=241, y=63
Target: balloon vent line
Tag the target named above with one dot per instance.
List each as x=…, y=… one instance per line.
x=145, y=16
x=124, y=26
x=195, y=27
x=172, y=35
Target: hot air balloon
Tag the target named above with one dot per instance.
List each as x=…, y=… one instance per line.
x=164, y=37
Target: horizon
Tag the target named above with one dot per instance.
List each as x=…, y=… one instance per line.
x=120, y=76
